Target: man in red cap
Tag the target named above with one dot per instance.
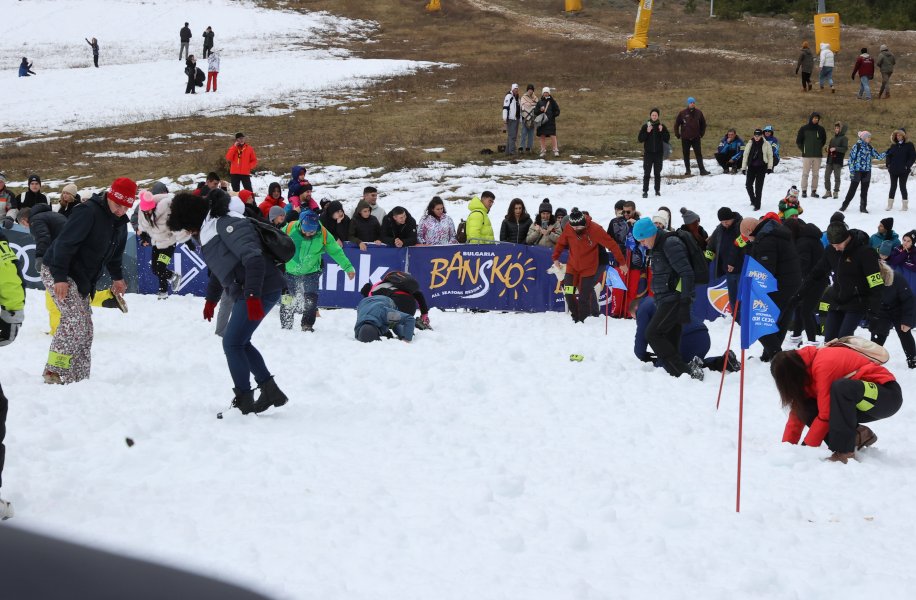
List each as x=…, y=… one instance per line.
x=94, y=237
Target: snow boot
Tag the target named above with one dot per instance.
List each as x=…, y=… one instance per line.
x=271, y=395
x=244, y=401
x=890, y=204
x=865, y=437
x=695, y=368
x=794, y=342
x=731, y=363
x=804, y=193
x=906, y=205
x=827, y=194
x=814, y=194
x=52, y=378
x=162, y=296
x=6, y=510
x=842, y=457
x=911, y=362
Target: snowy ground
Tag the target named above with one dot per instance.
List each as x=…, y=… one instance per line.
x=477, y=462
x=271, y=62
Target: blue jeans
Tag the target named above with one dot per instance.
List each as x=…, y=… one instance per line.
x=864, y=89
x=242, y=357
x=826, y=74
x=527, y=137
x=841, y=323
x=304, y=292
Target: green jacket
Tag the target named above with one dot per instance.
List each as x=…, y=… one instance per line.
x=12, y=292
x=811, y=138
x=478, y=227
x=309, y=251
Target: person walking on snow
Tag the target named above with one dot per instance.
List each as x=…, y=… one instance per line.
x=212, y=69
x=836, y=152
x=900, y=158
x=94, y=44
x=885, y=64
x=810, y=140
x=94, y=237
x=860, y=170
x=865, y=67
x=185, y=36
x=653, y=135
x=511, y=115
x=806, y=64
x=690, y=127
x=826, y=67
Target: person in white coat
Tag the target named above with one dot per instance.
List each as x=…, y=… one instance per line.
x=212, y=69
x=152, y=225
x=511, y=114
x=826, y=73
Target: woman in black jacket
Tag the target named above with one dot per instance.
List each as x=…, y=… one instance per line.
x=190, y=69
x=548, y=107
x=516, y=223
x=653, y=136
x=807, y=239
x=900, y=158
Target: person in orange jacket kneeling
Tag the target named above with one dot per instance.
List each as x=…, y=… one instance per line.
x=832, y=390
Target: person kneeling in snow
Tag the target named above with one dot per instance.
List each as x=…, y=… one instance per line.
x=232, y=250
x=377, y=316
x=831, y=390
x=695, y=341
x=404, y=289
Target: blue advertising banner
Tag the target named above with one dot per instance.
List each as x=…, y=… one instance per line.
x=507, y=277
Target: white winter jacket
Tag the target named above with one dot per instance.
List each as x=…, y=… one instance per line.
x=826, y=55
x=213, y=63
x=159, y=233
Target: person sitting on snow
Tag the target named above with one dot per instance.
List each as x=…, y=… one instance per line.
x=378, y=316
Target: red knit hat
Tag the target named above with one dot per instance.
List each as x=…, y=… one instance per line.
x=123, y=191
x=245, y=195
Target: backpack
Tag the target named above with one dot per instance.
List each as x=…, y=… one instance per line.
x=697, y=259
x=277, y=245
x=867, y=348
x=461, y=234
x=402, y=281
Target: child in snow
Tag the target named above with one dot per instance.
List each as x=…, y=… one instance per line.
x=790, y=202
x=25, y=68
x=152, y=225
x=303, y=272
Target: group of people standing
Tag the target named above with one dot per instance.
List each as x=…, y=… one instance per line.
x=532, y=116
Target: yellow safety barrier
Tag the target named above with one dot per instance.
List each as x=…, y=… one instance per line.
x=827, y=30
x=640, y=37
x=573, y=5
x=434, y=5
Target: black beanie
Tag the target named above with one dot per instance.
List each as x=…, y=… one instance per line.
x=888, y=224
x=576, y=218
x=725, y=214
x=837, y=217
x=837, y=232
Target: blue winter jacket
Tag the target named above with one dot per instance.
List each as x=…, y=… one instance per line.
x=694, y=336
x=861, y=155
x=382, y=312
x=295, y=188
x=774, y=144
x=732, y=149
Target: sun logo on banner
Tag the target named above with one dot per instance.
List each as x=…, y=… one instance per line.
x=718, y=298
x=506, y=272
x=525, y=273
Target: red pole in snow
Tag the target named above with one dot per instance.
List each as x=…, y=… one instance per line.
x=725, y=356
x=608, y=298
x=740, y=433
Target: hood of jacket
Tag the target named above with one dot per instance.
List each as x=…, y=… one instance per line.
x=359, y=207
x=40, y=208
x=825, y=46
x=477, y=204
x=811, y=119
x=295, y=172
x=843, y=129
x=333, y=206
x=810, y=230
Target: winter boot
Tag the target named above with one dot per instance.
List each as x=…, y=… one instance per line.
x=731, y=364
x=244, y=401
x=695, y=368
x=911, y=362
x=804, y=193
x=794, y=341
x=890, y=203
x=814, y=194
x=6, y=510
x=905, y=205
x=162, y=296
x=865, y=437
x=827, y=194
x=842, y=457
x=271, y=395
x=115, y=301
x=52, y=378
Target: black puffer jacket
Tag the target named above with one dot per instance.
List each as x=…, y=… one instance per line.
x=28, y=199
x=515, y=231
x=900, y=158
x=897, y=302
x=773, y=248
x=857, y=280
x=671, y=265
x=391, y=230
x=653, y=142
x=93, y=238
x=721, y=247
x=810, y=249
x=44, y=226
x=364, y=230
x=340, y=231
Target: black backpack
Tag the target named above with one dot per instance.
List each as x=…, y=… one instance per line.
x=697, y=259
x=461, y=234
x=277, y=246
x=402, y=281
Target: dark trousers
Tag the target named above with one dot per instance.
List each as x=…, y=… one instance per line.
x=906, y=338
x=772, y=343
x=724, y=160
x=652, y=163
x=863, y=177
x=240, y=181
x=841, y=323
x=686, y=145
x=584, y=303
x=95, y=60
x=901, y=179
x=189, y=89
x=835, y=169
x=208, y=51
x=754, y=184
x=302, y=297
x=243, y=358
x=664, y=336
x=731, y=281
x=805, y=311
x=853, y=402
x=162, y=259
x=806, y=81
x=4, y=408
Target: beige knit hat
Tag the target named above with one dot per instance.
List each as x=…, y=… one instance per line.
x=70, y=188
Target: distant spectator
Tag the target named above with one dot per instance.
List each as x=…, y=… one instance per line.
x=528, y=102
x=274, y=198
x=654, y=136
x=885, y=64
x=548, y=110
x=212, y=69
x=208, y=41
x=826, y=64
x=28, y=198
x=511, y=116
x=900, y=158
x=478, y=228
x=185, y=36
x=865, y=67
x=811, y=139
x=297, y=181
x=769, y=135
x=336, y=221
x=69, y=198
x=399, y=228
x=190, y=69
x=690, y=127
x=723, y=251
x=662, y=218
x=516, y=223
x=276, y=216
x=94, y=44
x=692, y=226
x=370, y=195
x=806, y=64
x=757, y=163
x=364, y=227
x=545, y=231
x=436, y=228
x=250, y=208
x=885, y=233
x=6, y=197
x=790, y=203
x=836, y=152
x=25, y=68
x=728, y=154
x=242, y=160
x=860, y=158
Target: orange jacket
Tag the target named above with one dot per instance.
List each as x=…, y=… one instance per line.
x=583, y=249
x=241, y=160
x=826, y=365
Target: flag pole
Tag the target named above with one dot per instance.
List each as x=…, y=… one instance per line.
x=608, y=298
x=731, y=330
x=740, y=433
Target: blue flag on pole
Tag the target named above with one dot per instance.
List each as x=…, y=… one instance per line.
x=613, y=280
x=758, y=311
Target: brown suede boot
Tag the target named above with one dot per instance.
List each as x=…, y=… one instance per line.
x=842, y=457
x=865, y=437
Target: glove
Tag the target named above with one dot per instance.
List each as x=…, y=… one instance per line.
x=683, y=313
x=769, y=171
x=423, y=322
x=209, y=307
x=10, y=322
x=8, y=223
x=190, y=245
x=744, y=171
x=255, y=308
